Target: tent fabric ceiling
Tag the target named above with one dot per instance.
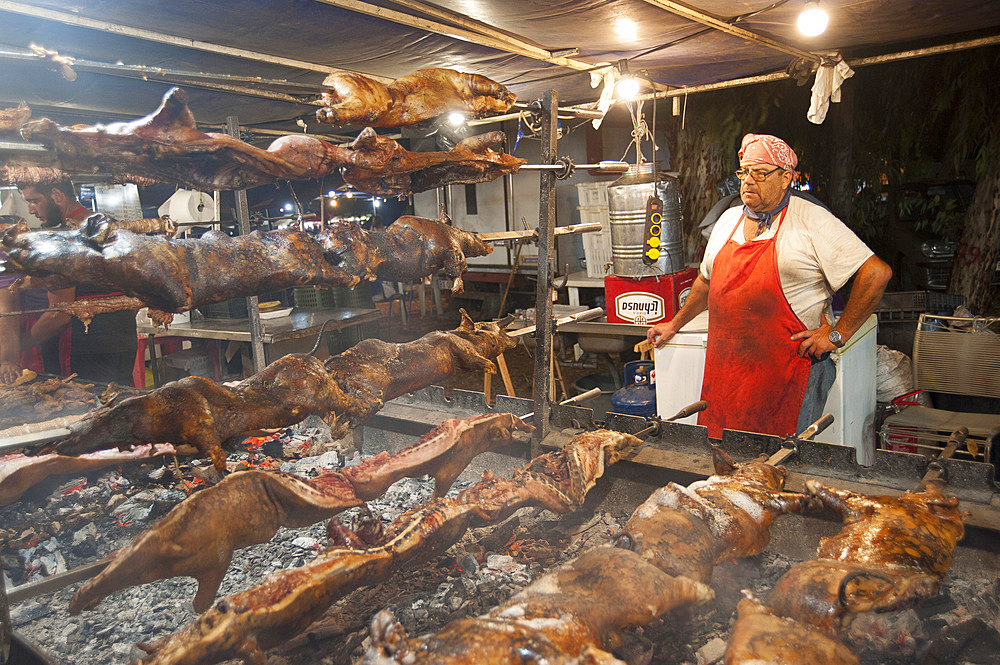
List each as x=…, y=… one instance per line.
x=316, y=32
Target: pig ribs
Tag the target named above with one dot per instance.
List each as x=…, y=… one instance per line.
x=197, y=538
x=422, y=95
x=346, y=390
x=247, y=623
x=167, y=146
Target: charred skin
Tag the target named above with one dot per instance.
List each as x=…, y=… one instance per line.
x=247, y=624
x=283, y=393
x=167, y=146
x=568, y=616
x=688, y=530
x=176, y=275
x=422, y=95
x=409, y=249
x=346, y=391
x=198, y=537
x=373, y=372
x=763, y=638
x=891, y=553
x=443, y=453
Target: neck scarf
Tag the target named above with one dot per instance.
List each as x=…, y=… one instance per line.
x=764, y=219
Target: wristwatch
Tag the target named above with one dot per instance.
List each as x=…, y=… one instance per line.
x=836, y=338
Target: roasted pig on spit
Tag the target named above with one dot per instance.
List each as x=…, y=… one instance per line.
x=345, y=389
x=422, y=95
x=198, y=537
x=577, y=612
x=891, y=553
x=19, y=472
x=246, y=624
x=568, y=616
x=688, y=530
x=168, y=146
x=11, y=119
x=40, y=400
x=175, y=275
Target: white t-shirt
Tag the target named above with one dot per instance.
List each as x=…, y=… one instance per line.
x=817, y=254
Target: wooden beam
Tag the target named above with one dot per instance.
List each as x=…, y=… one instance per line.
x=162, y=38
x=692, y=14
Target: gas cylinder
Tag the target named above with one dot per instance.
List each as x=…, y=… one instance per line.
x=638, y=397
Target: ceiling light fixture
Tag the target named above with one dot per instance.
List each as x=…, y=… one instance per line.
x=628, y=86
x=813, y=20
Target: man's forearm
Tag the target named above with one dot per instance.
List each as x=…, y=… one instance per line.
x=696, y=303
x=869, y=285
x=47, y=326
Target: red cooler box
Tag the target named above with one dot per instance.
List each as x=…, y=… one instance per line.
x=646, y=300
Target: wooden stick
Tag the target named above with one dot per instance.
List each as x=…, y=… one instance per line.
x=505, y=375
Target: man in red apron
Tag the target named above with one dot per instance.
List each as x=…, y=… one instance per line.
x=106, y=351
x=767, y=280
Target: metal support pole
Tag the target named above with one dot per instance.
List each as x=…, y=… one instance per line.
x=243, y=221
x=544, y=327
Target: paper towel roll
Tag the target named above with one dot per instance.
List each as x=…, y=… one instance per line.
x=185, y=205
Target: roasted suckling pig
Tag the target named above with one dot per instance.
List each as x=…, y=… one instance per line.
x=246, y=624
x=18, y=472
x=197, y=538
x=575, y=613
x=42, y=399
x=175, y=275
x=424, y=94
x=11, y=119
x=891, y=553
x=688, y=530
x=568, y=616
x=345, y=389
x=167, y=146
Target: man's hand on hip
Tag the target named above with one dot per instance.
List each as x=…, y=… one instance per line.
x=815, y=342
x=660, y=334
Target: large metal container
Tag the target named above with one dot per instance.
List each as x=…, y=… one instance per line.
x=627, y=198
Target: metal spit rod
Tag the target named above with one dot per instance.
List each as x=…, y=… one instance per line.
x=603, y=167
x=582, y=397
x=935, y=470
x=688, y=410
x=790, y=446
x=531, y=234
x=588, y=315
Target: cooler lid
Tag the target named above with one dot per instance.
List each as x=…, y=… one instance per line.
x=697, y=324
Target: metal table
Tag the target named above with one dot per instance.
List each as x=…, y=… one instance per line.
x=299, y=324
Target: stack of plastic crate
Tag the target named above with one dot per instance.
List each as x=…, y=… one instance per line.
x=593, y=208
x=898, y=313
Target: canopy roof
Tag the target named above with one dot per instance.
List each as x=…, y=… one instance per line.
x=529, y=45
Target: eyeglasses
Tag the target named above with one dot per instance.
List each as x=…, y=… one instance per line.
x=757, y=175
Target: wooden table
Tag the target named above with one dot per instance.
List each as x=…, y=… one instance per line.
x=301, y=323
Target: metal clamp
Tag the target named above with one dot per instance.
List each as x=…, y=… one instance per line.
x=568, y=168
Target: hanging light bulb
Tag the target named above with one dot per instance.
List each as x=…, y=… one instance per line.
x=627, y=88
x=813, y=20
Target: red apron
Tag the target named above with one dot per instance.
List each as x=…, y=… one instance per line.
x=754, y=379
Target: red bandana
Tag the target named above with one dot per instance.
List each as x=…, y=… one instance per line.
x=767, y=149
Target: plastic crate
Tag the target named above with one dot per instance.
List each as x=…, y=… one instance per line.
x=308, y=297
x=237, y=307
x=909, y=305
x=592, y=193
x=190, y=362
x=597, y=251
x=595, y=215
